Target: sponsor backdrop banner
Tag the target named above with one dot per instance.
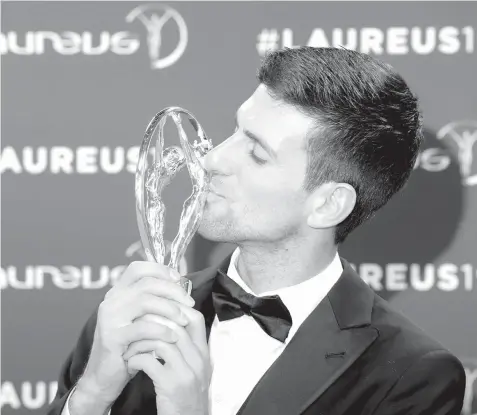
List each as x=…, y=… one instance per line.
x=80, y=83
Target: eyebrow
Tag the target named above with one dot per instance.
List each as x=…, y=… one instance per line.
x=257, y=139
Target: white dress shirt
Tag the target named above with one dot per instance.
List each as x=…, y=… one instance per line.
x=241, y=352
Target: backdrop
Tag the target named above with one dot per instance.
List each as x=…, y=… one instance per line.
x=80, y=83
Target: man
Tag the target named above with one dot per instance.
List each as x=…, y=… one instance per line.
x=283, y=326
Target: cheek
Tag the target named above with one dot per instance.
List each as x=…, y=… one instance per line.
x=275, y=185
x=267, y=191
x=269, y=204
x=259, y=188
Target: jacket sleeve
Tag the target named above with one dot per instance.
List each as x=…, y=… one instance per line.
x=73, y=367
x=432, y=385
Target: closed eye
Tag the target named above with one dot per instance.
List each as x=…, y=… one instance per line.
x=256, y=159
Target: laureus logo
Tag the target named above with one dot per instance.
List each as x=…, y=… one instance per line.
x=470, y=400
x=135, y=251
x=462, y=135
x=157, y=18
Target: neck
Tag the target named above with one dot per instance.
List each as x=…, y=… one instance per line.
x=264, y=267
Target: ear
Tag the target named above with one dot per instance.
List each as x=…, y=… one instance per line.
x=331, y=204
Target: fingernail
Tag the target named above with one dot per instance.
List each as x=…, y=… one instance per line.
x=175, y=275
x=183, y=321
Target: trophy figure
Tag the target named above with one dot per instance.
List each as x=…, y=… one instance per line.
x=151, y=180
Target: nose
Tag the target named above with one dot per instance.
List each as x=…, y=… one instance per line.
x=220, y=159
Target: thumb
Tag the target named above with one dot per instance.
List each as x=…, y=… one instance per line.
x=131, y=371
x=174, y=275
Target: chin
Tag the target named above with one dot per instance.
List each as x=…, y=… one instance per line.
x=212, y=232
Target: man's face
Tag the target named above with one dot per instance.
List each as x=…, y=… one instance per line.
x=259, y=172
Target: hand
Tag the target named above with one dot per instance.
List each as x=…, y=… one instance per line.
x=144, y=289
x=182, y=383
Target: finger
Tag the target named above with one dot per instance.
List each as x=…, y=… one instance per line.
x=149, y=365
x=163, y=289
x=196, y=328
x=189, y=350
x=174, y=361
x=150, y=305
x=140, y=346
x=192, y=354
x=139, y=269
x=144, y=330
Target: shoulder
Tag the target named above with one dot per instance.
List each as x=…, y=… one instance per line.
x=394, y=326
x=407, y=344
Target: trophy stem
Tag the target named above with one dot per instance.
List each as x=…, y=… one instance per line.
x=150, y=183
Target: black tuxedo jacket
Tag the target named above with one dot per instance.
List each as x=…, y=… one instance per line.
x=353, y=355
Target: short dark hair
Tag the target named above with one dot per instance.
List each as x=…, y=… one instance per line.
x=368, y=124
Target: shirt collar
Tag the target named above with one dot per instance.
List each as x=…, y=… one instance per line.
x=300, y=299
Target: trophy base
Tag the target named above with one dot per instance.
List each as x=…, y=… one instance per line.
x=186, y=284
x=161, y=361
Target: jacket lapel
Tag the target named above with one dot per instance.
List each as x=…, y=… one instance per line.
x=333, y=336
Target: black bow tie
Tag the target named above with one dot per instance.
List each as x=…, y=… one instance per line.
x=231, y=301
